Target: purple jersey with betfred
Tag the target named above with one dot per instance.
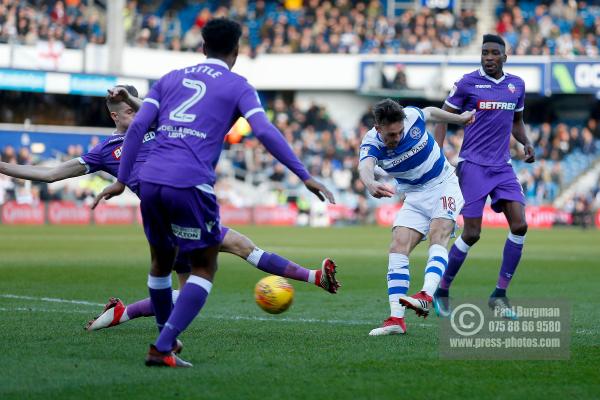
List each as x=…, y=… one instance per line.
x=196, y=108
x=106, y=156
x=487, y=140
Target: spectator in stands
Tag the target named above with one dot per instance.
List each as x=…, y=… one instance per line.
x=588, y=145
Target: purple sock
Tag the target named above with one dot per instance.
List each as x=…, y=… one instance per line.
x=142, y=308
x=191, y=299
x=161, y=297
x=456, y=258
x=510, y=260
x=277, y=265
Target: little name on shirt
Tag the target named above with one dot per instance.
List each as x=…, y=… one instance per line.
x=204, y=69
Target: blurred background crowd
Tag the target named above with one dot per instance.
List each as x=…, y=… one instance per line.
x=553, y=27
x=331, y=154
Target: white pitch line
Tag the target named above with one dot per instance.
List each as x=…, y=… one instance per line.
x=205, y=316
x=50, y=300
x=43, y=310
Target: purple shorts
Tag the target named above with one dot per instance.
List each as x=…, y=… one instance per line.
x=183, y=217
x=182, y=262
x=478, y=181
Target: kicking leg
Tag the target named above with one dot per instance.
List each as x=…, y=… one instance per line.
x=272, y=263
x=404, y=241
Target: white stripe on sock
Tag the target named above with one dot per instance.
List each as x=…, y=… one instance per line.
x=432, y=279
x=516, y=238
x=312, y=276
x=159, y=282
x=461, y=245
x=203, y=283
x=175, y=295
x=397, y=264
x=255, y=256
x=437, y=250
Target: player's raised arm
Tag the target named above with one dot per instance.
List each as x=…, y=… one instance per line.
x=366, y=171
x=434, y=114
x=131, y=147
x=121, y=93
x=518, y=131
x=68, y=169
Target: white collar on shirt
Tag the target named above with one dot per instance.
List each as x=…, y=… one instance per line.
x=216, y=61
x=482, y=73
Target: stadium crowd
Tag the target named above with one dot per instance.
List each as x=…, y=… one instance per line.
x=343, y=26
x=556, y=27
x=331, y=154
x=69, y=23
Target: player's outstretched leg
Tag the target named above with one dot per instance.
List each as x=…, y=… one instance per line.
x=274, y=264
x=116, y=312
x=236, y=243
x=398, y=279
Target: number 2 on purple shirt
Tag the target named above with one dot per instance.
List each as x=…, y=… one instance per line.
x=178, y=114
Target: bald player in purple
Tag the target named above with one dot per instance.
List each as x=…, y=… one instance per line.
x=484, y=167
x=194, y=108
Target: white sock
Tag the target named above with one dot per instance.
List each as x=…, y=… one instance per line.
x=312, y=275
x=436, y=265
x=461, y=245
x=398, y=277
x=255, y=256
x=516, y=238
x=124, y=317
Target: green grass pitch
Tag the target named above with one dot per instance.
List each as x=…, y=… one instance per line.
x=320, y=348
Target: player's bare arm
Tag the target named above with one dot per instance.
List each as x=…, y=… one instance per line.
x=68, y=169
x=434, y=114
x=109, y=192
x=319, y=190
x=120, y=93
x=366, y=171
x=439, y=132
x=518, y=131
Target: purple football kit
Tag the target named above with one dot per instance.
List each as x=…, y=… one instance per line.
x=106, y=156
x=484, y=161
x=194, y=109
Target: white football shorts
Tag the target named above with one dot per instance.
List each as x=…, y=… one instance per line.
x=440, y=201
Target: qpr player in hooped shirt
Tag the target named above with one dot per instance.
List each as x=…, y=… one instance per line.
x=402, y=147
x=484, y=167
x=194, y=108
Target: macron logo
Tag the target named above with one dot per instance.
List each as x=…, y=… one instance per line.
x=495, y=105
x=483, y=86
